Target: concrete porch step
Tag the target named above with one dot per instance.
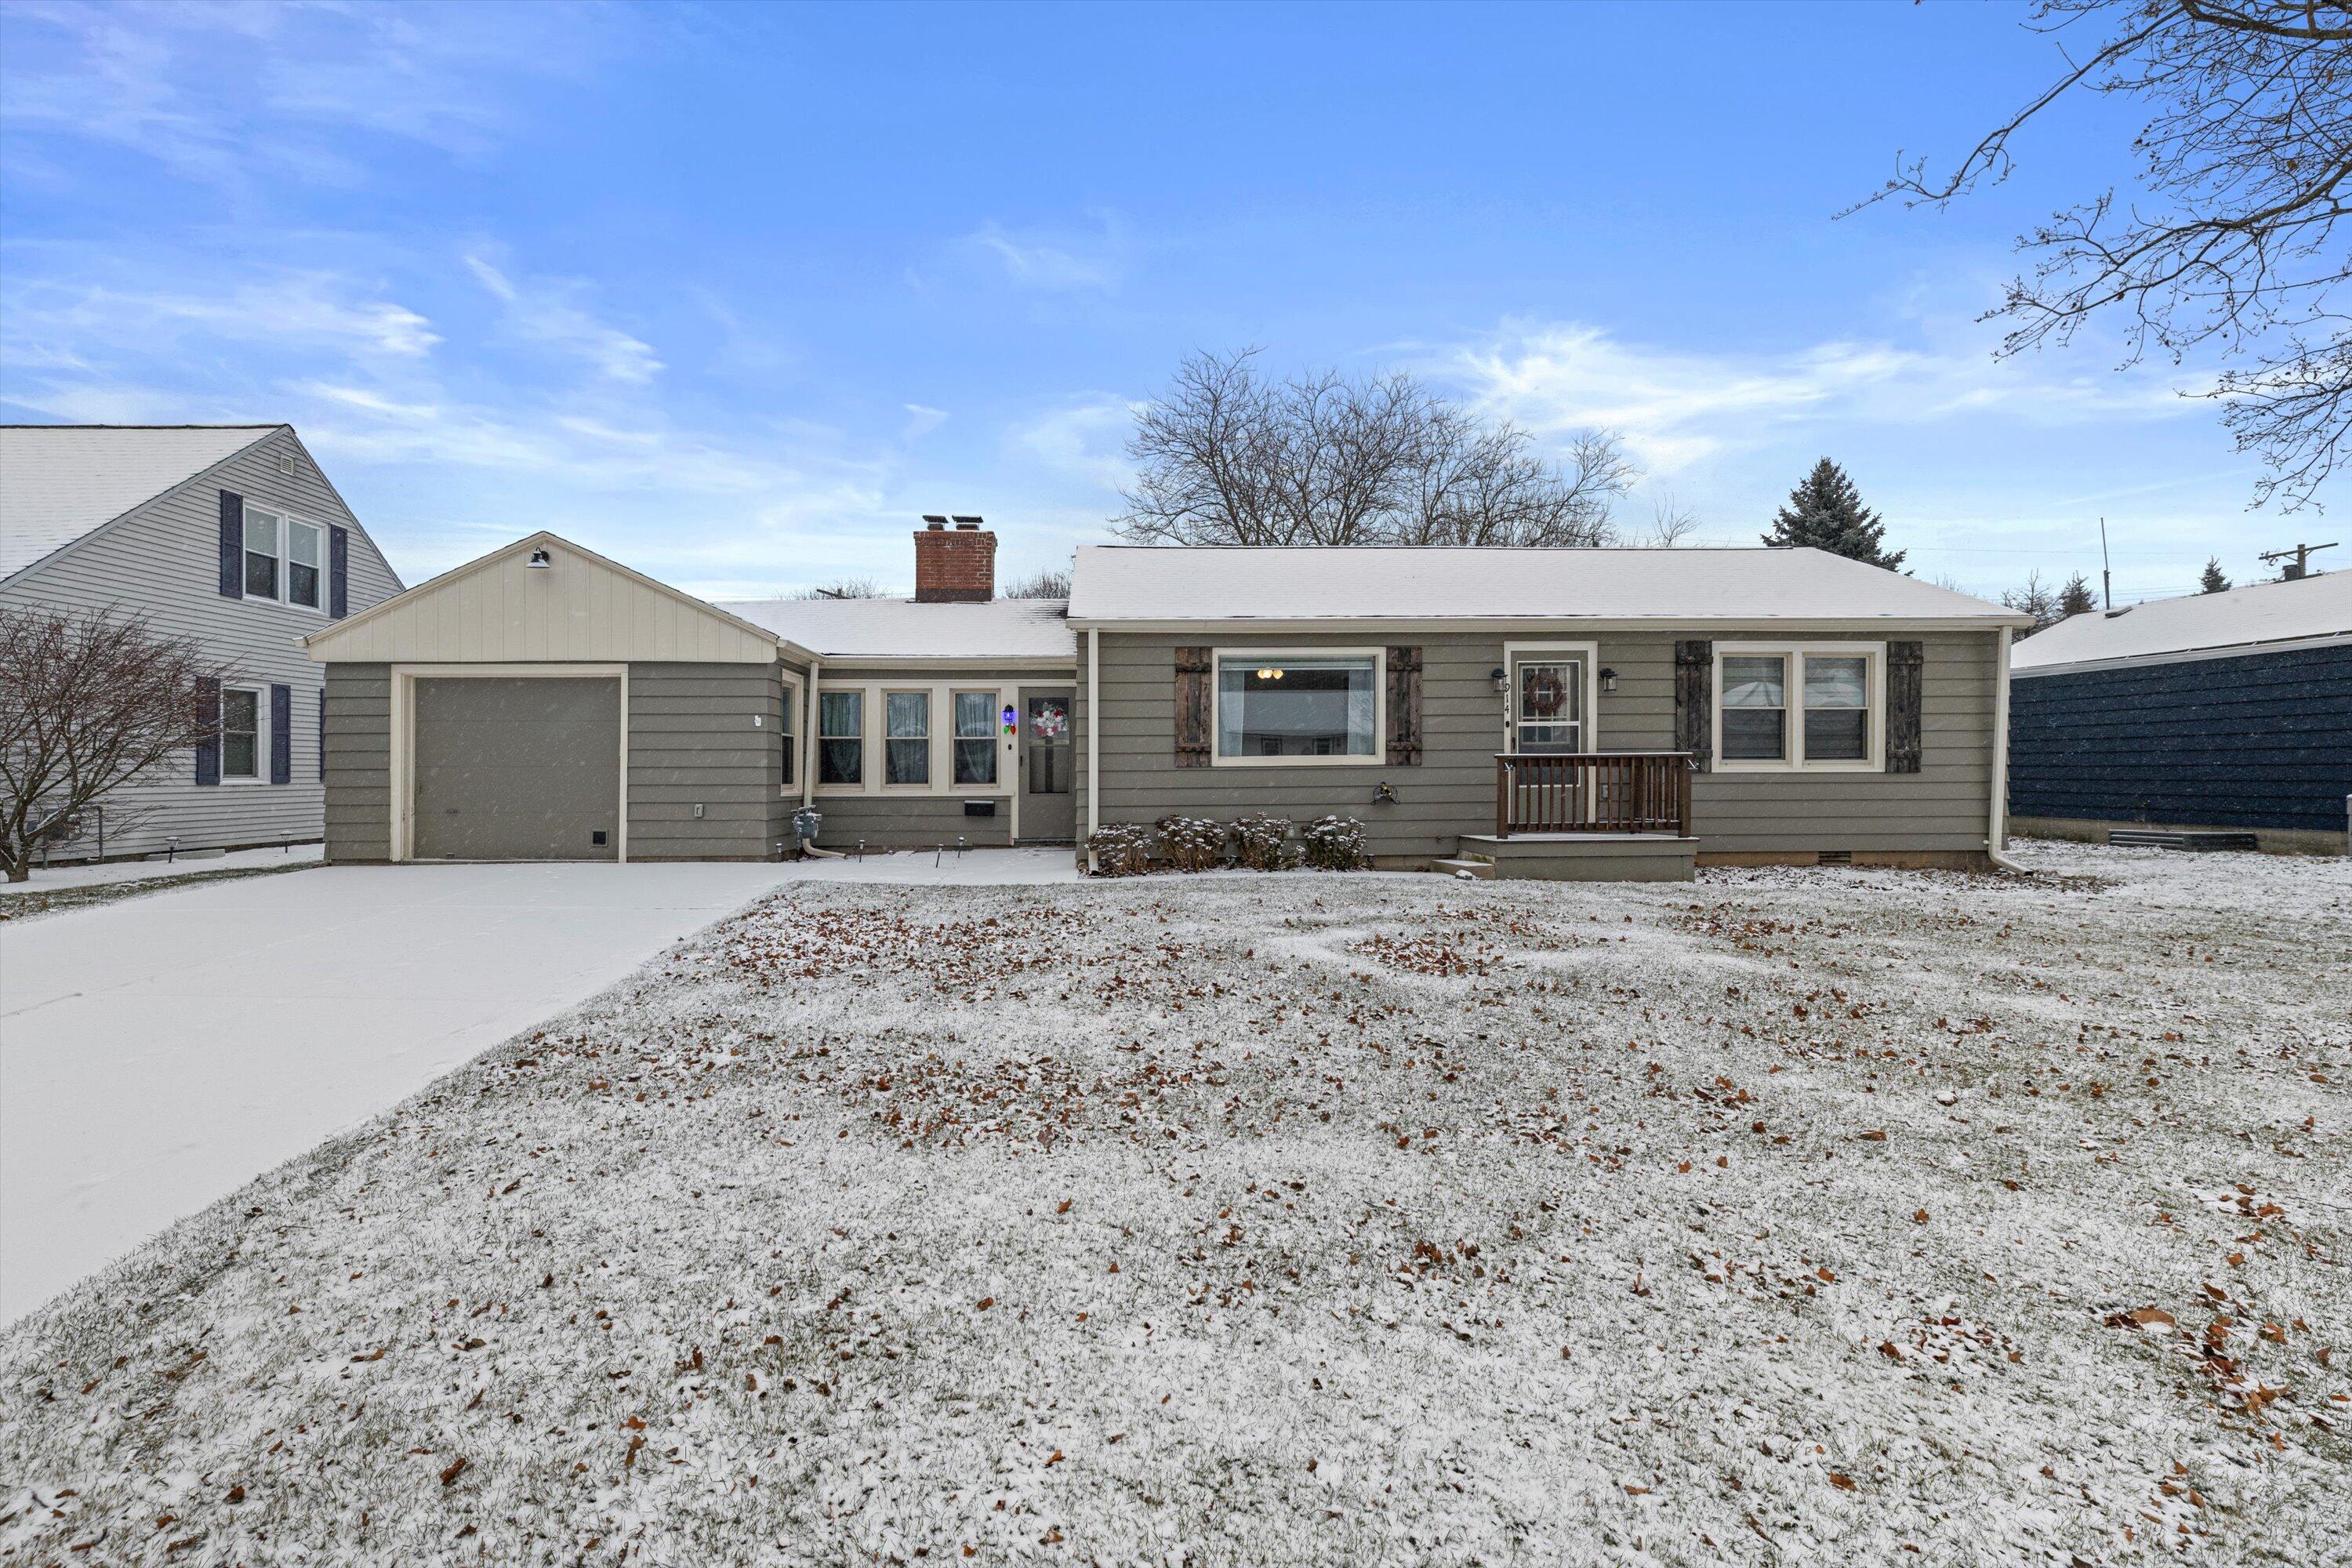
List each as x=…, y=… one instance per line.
x=1483, y=870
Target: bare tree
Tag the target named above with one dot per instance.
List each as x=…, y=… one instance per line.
x=1050, y=585
x=2246, y=154
x=88, y=702
x=842, y=588
x=1671, y=522
x=1227, y=457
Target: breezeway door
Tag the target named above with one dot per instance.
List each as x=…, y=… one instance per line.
x=1048, y=810
x=517, y=769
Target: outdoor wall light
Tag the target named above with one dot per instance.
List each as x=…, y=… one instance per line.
x=538, y=559
x=1502, y=679
x=1608, y=679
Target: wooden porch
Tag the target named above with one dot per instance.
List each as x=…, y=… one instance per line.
x=1598, y=817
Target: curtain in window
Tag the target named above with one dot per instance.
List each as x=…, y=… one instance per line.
x=841, y=744
x=1837, y=709
x=906, y=737
x=975, y=737
x=1754, y=707
x=1322, y=707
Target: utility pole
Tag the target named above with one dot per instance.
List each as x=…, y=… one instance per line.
x=2106, y=570
x=2303, y=555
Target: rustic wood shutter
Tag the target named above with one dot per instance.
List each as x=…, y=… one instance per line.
x=1694, y=701
x=1193, y=667
x=208, y=704
x=1404, y=707
x=281, y=734
x=232, y=545
x=1904, y=670
x=339, y=572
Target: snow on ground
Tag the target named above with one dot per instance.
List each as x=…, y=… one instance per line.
x=108, y=873
x=1836, y=1216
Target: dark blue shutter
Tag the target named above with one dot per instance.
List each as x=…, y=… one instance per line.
x=322, y=734
x=338, y=576
x=208, y=724
x=281, y=734
x=232, y=546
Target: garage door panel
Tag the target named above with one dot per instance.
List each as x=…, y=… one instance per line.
x=518, y=769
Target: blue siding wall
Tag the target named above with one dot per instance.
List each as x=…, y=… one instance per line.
x=2262, y=740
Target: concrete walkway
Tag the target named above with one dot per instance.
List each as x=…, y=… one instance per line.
x=157, y=1053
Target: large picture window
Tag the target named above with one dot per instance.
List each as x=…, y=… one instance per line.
x=1798, y=707
x=840, y=737
x=1296, y=708
x=906, y=737
x=975, y=738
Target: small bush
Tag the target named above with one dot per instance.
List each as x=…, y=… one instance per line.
x=1189, y=844
x=1121, y=850
x=1334, y=844
x=1264, y=841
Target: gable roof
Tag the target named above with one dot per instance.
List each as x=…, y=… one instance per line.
x=59, y=483
x=1177, y=583
x=2236, y=619
x=1023, y=630
x=582, y=607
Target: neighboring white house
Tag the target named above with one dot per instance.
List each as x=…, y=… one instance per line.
x=230, y=536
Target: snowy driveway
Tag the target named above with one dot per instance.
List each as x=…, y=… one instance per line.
x=159, y=1053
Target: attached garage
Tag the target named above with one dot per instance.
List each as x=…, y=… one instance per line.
x=544, y=703
x=518, y=768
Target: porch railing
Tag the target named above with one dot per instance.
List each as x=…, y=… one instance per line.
x=1593, y=792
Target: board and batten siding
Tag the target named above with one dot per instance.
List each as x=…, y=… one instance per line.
x=1942, y=808
x=2258, y=741
x=162, y=564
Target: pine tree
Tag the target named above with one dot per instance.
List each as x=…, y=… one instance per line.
x=1826, y=512
x=2213, y=581
x=2074, y=598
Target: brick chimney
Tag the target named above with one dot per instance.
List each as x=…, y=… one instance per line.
x=954, y=564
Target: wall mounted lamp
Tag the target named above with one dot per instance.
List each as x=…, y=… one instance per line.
x=538, y=559
x=1608, y=679
x=1502, y=679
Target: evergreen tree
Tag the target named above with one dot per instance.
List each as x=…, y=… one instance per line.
x=2213, y=581
x=1826, y=512
x=2074, y=598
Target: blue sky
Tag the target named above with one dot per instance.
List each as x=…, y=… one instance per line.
x=734, y=293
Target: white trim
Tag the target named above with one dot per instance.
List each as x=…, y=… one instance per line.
x=1556, y=626
x=261, y=736
x=288, y=519
x=1375, y=758
x=1587, y=727
x=1997, y=824
x=401, y=843
x=1094, y=733
x=1793, y=760
x=792, y=690
x=2184, y=656
x=881, y=737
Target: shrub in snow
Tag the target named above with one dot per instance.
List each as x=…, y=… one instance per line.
x=1264, y=841
x=1189, y=844
x=1334, y=844
x=1121, y=850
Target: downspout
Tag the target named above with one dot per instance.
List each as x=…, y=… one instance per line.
x=1094, y=731
x=1997, y=816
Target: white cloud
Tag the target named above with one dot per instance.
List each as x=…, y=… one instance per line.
x=1053, y=263
x=1083, y=441
x=314, y=309
x=544, y=312
x=922, y=421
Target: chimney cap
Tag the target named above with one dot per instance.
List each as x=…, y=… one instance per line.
x=967, y=521
x=934, y=519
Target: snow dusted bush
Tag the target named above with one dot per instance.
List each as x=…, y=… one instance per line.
x=1334, y=844
x=1190, y=844
x=1264, y=841
x=1121, y=850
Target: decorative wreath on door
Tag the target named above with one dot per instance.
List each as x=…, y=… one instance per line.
x=1546, y=693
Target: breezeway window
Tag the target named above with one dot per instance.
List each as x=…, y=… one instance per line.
x=840, y=737
x=1798, y=707
x=907, y=734
x=975, y=737
x=1274, y=707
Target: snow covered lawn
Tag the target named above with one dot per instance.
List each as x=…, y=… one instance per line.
x=1789, y=1216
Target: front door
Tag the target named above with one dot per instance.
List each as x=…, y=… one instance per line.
x=1548, y=704
x=1048, y=763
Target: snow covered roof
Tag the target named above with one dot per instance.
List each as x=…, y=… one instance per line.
x=1150, y=582
x=1024, y=629
x=61, y=482
x=2237, y=619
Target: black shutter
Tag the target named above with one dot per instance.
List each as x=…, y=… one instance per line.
x=1404, y=707
x=1192, y=666
x=281, y=734
x=338, y=576
x=1694, y=701
x=322, y=734
x=1903, y=681
x=209, y=725
x=232, y=545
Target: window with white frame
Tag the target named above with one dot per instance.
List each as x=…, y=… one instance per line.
x=907, y=738
x=306, y=557
x=262, y=531
x=840, y=737
x=285, y=558
x=788, y=733
x=975, y=737
x=1797, y=706
x=1278, y=707
x=240, y=732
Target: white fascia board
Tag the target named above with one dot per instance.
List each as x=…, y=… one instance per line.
x=1560, y=625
